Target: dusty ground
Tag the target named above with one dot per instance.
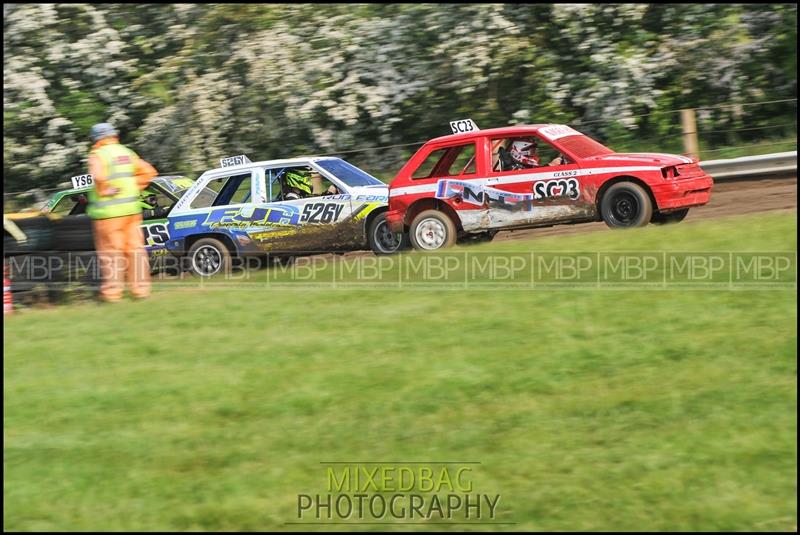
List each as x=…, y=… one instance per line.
x=727, y=198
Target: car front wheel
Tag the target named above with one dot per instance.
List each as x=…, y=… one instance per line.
x=432, y=230
x=626, y=205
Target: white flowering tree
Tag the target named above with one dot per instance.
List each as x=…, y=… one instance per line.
x=187, y=84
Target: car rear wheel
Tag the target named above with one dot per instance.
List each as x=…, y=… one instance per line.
x=480, y=237
x=209, y=256
x=672, y=217
x=626, y=205
x=382, y=240
x=432, y=230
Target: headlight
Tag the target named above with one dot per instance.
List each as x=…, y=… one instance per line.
x=669, y=172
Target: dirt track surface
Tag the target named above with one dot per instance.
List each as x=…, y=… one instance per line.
x=727, y=198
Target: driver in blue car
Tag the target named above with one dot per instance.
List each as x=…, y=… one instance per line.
x=302, y=183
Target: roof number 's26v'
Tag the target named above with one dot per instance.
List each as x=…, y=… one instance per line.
x=234, y=160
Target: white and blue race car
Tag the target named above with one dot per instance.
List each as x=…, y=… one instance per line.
x=248, y=209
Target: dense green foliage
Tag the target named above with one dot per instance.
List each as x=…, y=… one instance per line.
x=640, y=409
x=187, y=84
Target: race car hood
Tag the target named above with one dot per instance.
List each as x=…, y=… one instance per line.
x=21, y=215
x=651, y=158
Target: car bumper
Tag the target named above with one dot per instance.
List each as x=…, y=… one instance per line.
x=677, y=194
x=394, y=220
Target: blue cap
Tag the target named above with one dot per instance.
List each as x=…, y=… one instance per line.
x=101, y=130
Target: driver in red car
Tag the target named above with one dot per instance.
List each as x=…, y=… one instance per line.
x=523, y=154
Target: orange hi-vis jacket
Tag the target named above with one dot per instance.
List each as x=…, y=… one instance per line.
x=144, y=172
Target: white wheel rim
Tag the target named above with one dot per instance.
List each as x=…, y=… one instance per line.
x=431, y=233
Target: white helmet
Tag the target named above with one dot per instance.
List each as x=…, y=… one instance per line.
x=523, y=151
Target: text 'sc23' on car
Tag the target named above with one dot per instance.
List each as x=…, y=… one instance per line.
x=282, y=208
x=473, y=183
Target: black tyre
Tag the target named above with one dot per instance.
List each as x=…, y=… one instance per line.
x=432, y=230
x=672, y=217
x=209, y=256
x=383, y=241
x=626, y=205
x=480, y=237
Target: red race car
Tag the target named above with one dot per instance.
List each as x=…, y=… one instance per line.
x=475, y=182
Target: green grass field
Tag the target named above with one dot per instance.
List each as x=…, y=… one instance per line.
x=587, y=409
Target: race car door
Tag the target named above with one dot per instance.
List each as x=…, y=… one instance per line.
x=537, y=186
x=454, y=169
x=302, y=222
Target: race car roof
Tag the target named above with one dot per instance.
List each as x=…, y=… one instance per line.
x=289, y=161
x=84, y=189
x=516, y=130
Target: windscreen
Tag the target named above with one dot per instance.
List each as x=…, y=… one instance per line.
x=175, y=185
x=348, y=173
